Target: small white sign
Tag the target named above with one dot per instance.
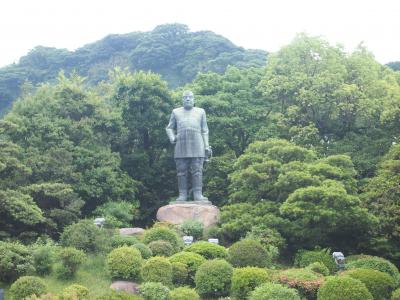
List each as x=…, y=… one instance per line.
x=187, y=239
x=214, y=241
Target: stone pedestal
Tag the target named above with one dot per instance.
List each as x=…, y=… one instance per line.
x=179, y=212
x=126, y=286
x=135, y=231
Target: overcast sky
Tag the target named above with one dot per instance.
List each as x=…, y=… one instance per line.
x=259, y=24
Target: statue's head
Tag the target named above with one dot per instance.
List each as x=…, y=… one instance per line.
x=187, y=99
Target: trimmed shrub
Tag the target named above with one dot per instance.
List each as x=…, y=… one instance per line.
x=191, y=260
x=304, y=258
x=26, y=286
x=85, y=236
x=118, y=240
x=213, y=278
x=75, y=292
x=179, y=273
x=154, y=291
x=71, y=259
x=192, y=227
x=318, y=267
x=379, y=284
x=343, y=288
x=183, y=293
x=48, y=296
x=376, y=263
x=208, y=250
x=43, y=259
x=124, y=263
x=395, y=295
x=247, y=253
x=15, y=261
x=144, y=250
x=157, y=269
x=118, y=295
x=273, y=291
x=306, y=282
x=245, y=280
x=165, y=234
x=161, y=248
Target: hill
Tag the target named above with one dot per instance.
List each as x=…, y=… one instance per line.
x=170, y=50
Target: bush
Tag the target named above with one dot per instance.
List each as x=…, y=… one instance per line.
x=306, y=282
x=26, y=286
x=208, y=250
x=117, y=214
x=191, y=260
x=85, y=236
x=304, y=258
x=247, y=253
x=192, y=227
x=118, y=240
x=71, y=259
x=343, y=288
x=144, y=250
x=165, y=234
x=161, y=248
x=376, y=263
x=183, y=293
x=319, y=268
x=15, y=261
x=244, y=280
x=154, y=291
x=395, y=295
x=157, y=269
x=273, y=291
x=48, y=296
x=213, y=278
x=124, y=263
x=75, y=292
x=179, y=273
x=117, y=295
x=379, y=284
x=43, y=259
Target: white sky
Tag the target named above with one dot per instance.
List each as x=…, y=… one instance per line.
x=259, y=24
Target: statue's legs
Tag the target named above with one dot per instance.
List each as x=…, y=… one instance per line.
x=196, y=169
x=182, y=167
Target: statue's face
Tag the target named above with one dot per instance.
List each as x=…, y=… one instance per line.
x=188, y=100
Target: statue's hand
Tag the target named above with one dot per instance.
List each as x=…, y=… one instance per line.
x=173, y=141
x=208, y=151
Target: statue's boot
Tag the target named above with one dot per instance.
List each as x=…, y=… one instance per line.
x=197, y=184
x=183, y=188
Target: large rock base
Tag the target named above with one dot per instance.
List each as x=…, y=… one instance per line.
x=179, y=212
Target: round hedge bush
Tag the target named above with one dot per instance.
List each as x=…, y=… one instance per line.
x=304, y=258
x=344, y=288
x=118, y=295
x=144, y=250
x=191, y=260
x=15, y=260
x=213, y=278
x=124, y=263
x=208, y=250
x=154, y=291
x=319, y=268
x=161, y=248
x=245, y=280
x=157, y=269
x=43, y=259
x=118, y=240
x=395, y=295
x=164, y=234
x=379, y=284
x=26, y=286
x=75, y=292
x=192, y=227
x=179, y=273
x=247, y=253
x=71, y=259
x=183, y=293
x=273, y=291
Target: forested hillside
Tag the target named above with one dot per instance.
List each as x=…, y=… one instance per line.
x=170, y=50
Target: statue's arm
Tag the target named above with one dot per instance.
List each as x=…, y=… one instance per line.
x=204, y=130
x=171, y=129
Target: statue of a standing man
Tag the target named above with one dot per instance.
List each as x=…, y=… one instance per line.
x=188, y=129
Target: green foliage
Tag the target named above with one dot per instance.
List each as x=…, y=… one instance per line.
x=157, y=269
x=124, y=263
x=163, y=233
x=213, y=278
x=118, y=240
x=379, y=284
x=304, y=258
x=183, y=293
x=161, y=248
x=144, y=250
x=273, y=291
x=344, y=288
x=75, y=291
x=395, y=295
x=208, y=250
x=26, y=286
x=179, y=273
x=117, y=295
x=247, y=253
x=15, y=260
x=43, y=259
x=245, y=280
x=193, y=228
x=84, y=235
x=71, y=259
x=191, y=260
x=318, y=267
x=154, y=291
x=117, y=214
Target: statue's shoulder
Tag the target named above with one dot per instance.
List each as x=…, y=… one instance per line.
x=199, y=110
x=177, y=110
